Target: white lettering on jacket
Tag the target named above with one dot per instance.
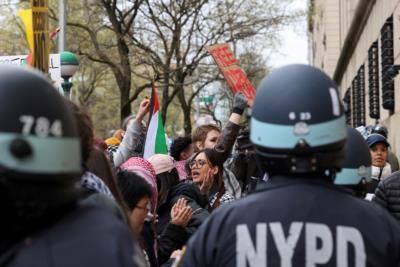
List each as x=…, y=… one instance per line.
x=245, y=250
x=319, y=242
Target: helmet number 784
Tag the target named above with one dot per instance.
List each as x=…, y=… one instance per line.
x=41, y=126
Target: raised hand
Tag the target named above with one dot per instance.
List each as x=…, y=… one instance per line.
x=181, y=213
x=207, y=182
x=143, y=109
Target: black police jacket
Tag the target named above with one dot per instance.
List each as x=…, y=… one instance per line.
x=296, y=222
x=87, y=236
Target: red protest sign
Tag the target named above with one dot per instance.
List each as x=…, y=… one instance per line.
x=222, y=55
x=238, y=81
x=234, y=75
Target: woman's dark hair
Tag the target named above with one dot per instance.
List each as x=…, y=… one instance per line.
x=214, y=158
x=133, y=188
x=178, y=145
x=99, y=165
x=85, y=128
x=165, y=181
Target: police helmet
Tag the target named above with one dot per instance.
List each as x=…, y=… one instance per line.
x=357, y=164
x=380, y=129
x=298, y=123
x=38, y=135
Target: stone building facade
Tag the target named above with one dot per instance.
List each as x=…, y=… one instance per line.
x=357, y=42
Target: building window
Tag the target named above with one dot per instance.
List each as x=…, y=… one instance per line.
x=361, y=93
x=387, y=60
x=358, y=98
x=373, y=81
x=347, y=106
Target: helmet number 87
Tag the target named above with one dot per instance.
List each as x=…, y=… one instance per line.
x=41, y=126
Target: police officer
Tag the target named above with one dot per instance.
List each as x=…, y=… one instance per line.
x=356, y=170
x=299, y=217
x=42, y=221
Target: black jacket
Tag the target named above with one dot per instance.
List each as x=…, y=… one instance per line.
x=86, y=236
x=387, y=194
x=197, y=201
x=172, y=237
x=296, y=220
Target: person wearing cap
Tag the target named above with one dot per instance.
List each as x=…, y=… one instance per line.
x=392, y=158
x=378, y=147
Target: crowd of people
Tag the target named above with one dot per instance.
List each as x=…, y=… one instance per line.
x=296, y=187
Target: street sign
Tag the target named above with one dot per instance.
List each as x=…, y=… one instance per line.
x=40, y=55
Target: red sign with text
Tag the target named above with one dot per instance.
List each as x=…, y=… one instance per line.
x=234, y=75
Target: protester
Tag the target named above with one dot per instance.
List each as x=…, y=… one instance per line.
x=170, y=190
x=205, y=136
x=210, y=136
x=381, y=169
x=181, y=149
x=242, y=166
x=137, y=194
x=207, y=173
x=392, y=159
x=132, y=137
x=299, y=217
x=148, y=240
x=43, y=222
x=387, y=194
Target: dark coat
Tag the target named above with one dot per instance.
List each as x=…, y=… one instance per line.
x=226, y=141
x=298, y=220
x=172, y=237
x=387, y=194
x=86, y=236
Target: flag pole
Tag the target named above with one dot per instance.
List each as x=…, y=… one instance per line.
x=150, y=113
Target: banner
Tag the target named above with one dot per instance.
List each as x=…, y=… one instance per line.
x=40, y=52
x=54, y=70
x=26, y=17
x=234, y=75
x=156, y=142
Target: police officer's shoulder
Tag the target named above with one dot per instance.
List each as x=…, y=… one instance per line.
x=88, y=235
x=103, y=201
x=92, y=216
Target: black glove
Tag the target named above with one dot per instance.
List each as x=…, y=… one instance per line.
x=239, y=103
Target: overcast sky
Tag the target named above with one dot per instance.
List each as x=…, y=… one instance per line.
x=294, y=48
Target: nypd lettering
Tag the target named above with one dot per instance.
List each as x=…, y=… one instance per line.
x=321, y=245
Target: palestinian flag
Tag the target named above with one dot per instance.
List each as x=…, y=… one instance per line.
x=155, y=137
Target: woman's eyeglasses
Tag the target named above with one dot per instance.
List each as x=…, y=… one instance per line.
x=147, y=207
x=199, y=163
